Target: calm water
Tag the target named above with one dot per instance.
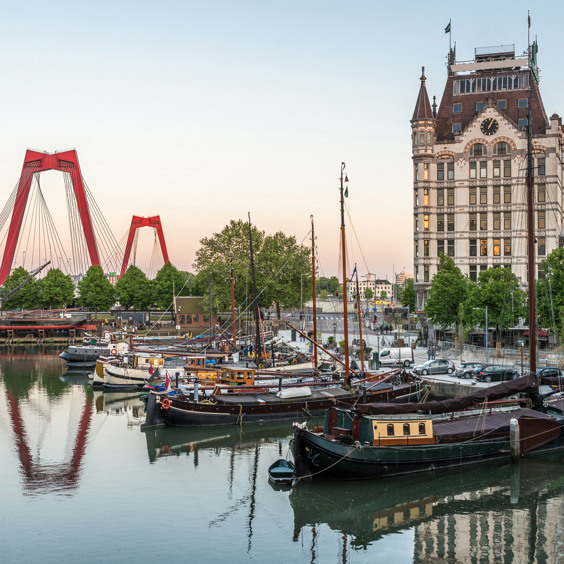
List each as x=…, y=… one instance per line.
x=81, y=482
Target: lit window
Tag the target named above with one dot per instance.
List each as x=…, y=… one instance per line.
x=456, y=127
x=426, y=248
x=426, y=171
x=426, y=197
x=483, y=247
x=523, y=103
x=426, y=222
x=480, y=106
x=497, y=247
x=456, y=108
x=502, y=104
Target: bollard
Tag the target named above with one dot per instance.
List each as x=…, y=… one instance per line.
x=514, y=442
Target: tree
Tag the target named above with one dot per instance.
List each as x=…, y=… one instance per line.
x=383, y=294
x=56, y=289
x=449, y=289
x=168, y=282
x=134, y=289
x=279, y=265
x=368, y=293
x=27, y=297
x=498, y=289
x=329, y=284
x=550, y=292
x=408, y=295
x=95, y=290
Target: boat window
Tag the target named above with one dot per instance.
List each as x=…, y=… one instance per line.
x=390, y=430
x=406, y=430
x=421, y=428
x=182, y=319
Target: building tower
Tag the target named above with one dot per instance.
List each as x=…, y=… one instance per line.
x=470, y=166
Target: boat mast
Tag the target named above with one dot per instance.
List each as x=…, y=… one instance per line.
x=258, y=346
x=233, y=304
x=531, y=244
x=359, y=313
x=343, y=249
x=314, y=298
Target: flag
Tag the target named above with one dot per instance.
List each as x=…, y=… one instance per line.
x=353, y=272
x=167, y=383
x=447, y=28
x=151, y=369
x=347, y=192
x=529, y=20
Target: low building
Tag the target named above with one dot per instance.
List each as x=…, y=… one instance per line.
x=190, y=314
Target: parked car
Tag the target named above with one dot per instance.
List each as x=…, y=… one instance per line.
x=396, y=356
x=467, y=369
x=437, y=366
x=496, y=374
x=549, y=371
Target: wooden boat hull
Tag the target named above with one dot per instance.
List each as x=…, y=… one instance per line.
x=183, y=412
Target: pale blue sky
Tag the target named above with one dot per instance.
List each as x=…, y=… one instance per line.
x=202, y=111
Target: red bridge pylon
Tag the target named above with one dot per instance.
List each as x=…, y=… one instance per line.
x=136, y=223
x=37, y=162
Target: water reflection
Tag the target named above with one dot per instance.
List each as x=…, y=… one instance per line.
x=483, y=513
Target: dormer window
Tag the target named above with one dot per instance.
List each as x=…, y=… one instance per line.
x=456, y=127
x=523, y=122
x=480, y=106
x=523, y=103
x=457, y=108
x=502, y=104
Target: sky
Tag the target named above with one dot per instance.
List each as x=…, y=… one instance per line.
x=201, y=112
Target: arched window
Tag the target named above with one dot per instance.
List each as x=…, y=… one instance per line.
x=406, y=430
x=477, y=150
x=502, y=148
x=421, y=428
x=390, y=430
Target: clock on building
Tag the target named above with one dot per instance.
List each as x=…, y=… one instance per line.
x=489, y=126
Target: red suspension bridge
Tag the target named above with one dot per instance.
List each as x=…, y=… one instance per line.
x=32, y=233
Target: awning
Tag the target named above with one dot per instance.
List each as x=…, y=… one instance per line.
x=541, y=333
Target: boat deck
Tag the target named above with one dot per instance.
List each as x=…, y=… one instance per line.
x=230, y=399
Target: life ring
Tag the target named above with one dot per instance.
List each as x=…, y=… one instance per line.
x=165, y=403
x=113, y=351
x=165, y=449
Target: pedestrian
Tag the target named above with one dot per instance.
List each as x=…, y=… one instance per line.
x=429, y=352
x=433, y=352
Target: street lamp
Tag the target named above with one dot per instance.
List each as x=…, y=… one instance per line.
x=521, y=345
x=486, y=310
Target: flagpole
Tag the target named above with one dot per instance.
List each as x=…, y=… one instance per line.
x=449, y=36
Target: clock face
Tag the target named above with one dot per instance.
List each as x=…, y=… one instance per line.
x=489, y=126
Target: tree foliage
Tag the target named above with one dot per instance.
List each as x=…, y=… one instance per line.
x=330, y=284
x=134, y=289
x=279, y=265
x=550, y=293
x=25, y=298
x=168, y=282
x=56, y=289
x=498, y=289
x=368, y=293
x=95, y=290
x=408, y=295
x=449, y=289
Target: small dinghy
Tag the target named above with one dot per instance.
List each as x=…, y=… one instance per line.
x=281, y=472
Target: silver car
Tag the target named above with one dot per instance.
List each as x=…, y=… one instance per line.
x=437, y=366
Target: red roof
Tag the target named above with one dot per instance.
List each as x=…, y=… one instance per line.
x=540, y=333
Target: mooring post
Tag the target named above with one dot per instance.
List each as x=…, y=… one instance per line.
x=514, y=441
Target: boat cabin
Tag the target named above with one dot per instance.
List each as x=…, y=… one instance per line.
x=238, y=376
x=145, y=361
x=410, y=429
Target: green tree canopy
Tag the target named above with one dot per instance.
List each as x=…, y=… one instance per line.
x=449, y=289
x=329, y=284
x=134, y=289
x=56, y=289
x=550, y=292
x=498, y=289
x=95, y=290
x=279, y=265
x=168, y=282
x=27, y=297
x=368, y=293
x=408, y=295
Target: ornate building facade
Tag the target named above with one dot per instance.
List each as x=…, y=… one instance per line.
x=469, y=168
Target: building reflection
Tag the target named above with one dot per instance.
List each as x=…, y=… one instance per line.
x=508, y=513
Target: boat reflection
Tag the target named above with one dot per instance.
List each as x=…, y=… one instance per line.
x=479, y=513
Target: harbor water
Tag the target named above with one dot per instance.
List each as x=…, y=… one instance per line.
x=82, y=483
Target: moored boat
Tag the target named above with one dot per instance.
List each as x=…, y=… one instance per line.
x=281, y=472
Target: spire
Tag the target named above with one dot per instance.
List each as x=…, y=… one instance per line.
x=422, y=106
x=435, y=107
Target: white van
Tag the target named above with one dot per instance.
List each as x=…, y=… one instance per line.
x=400, y=356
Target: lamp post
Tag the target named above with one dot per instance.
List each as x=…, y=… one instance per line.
x=521, y=345
x=335, y=331
x=486, y=310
